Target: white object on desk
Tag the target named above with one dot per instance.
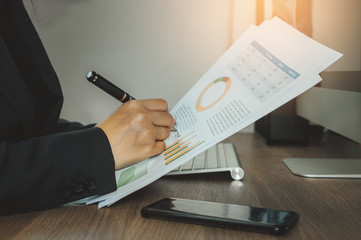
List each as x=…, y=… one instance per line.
x=221, y=157
x=324, y=167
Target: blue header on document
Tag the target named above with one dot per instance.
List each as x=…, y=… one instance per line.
x=286, y=69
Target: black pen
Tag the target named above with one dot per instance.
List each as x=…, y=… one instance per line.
x=111, y=89
x=108, y=87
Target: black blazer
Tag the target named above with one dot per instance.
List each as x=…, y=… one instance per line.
x=44, y=161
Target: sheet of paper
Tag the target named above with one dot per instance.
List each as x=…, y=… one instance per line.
x=265, y=68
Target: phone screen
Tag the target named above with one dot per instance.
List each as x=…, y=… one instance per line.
x=222, y=215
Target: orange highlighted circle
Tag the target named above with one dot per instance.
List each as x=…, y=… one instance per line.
x=228, y=82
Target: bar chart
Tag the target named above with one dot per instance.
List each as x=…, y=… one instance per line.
x=180, y=147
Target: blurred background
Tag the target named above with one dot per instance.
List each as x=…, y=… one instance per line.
x=160, y=48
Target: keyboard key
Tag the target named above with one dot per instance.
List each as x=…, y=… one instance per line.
x=231, y=156
x=176, y=169
x=187, y=166
x=200, y=161
x=221, y=156
x=212, y=157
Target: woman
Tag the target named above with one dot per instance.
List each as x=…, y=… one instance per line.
x=46, y=161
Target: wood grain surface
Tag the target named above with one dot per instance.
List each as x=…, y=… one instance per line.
x=328, y=208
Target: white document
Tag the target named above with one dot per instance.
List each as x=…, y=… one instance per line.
x=265, y=68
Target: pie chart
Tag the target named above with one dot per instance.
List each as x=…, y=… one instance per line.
x=213, y=93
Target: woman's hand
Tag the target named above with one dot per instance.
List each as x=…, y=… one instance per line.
x=137, y=130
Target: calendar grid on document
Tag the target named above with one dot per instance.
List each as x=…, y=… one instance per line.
x=261, y=72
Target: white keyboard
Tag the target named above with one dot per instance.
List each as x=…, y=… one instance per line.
x=221, y=157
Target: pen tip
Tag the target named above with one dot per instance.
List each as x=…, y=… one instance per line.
x=90, y=75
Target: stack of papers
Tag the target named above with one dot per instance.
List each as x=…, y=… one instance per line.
x=266, y=67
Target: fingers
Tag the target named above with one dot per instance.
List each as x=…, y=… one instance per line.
x=161, y=133
x=155, y=105
x=151, y=135
x=158, y=148
x=162, y=119
x=137, y=130
x=153, y=111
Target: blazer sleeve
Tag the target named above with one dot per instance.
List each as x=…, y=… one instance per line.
x=67, y=126
x=48, y=171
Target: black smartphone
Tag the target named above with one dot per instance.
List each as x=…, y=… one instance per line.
x=222, y=215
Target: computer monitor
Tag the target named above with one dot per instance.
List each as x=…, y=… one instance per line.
x=336, y=106
x=336, y=103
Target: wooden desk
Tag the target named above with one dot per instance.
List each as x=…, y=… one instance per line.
x=328, y=208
